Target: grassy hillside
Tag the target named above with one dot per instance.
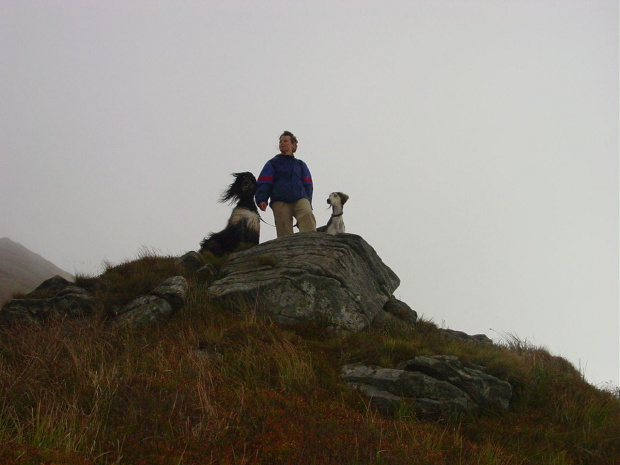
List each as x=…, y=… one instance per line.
x=218, y=387
x=21, y=270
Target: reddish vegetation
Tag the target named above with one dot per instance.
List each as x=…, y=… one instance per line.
x=216, y=388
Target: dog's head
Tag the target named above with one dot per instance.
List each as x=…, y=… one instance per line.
x=244, y=185
x=337, y=199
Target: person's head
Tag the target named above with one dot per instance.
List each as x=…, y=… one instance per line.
x=288, y=143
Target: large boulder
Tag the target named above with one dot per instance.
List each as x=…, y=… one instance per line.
x=434, y=386
x=339, y=280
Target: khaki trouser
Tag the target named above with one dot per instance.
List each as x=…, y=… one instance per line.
x=283, y=214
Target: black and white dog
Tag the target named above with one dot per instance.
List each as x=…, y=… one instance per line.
x=335, y=225
x=244, y=222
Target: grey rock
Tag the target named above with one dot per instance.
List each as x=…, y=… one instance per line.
x=25, y=310
x=429, y=397
x=158, y=306
x=385, y=320
x=50, y=287
x=72, y=290
x=339, y=279
x=146, y=309
x=207, y=274
x=73, y=304
x=54, y=298
x=191, y=261
x=174, y=291
x=385, y=401
x=482, y=388
x=434, y=386
x=464, y=337
x=401, y=310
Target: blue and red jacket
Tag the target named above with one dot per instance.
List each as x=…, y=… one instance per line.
x=284, y=178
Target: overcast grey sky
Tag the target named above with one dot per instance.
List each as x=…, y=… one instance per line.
x=478, y=141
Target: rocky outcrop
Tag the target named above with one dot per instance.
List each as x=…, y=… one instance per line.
x=400, y=310
x=194, y=263
x=144, y=309
x=339, y=280
x=158, y=306
x=464, y=337
x=174, y=291
x=433, y=386
x=54, y=298
x=50, y=287
x=59, y=298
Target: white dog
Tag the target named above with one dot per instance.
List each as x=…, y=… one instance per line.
x=335, y=225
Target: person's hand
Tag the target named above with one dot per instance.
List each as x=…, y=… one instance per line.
x=262, y=206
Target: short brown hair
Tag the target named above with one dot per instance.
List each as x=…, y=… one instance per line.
x=293, y=139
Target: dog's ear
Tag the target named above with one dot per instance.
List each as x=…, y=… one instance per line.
x=343, y=197
x=231, y=194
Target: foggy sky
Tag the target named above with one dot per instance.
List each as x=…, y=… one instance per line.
x=477, y=140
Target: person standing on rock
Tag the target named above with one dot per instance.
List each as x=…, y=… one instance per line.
x=287, y=181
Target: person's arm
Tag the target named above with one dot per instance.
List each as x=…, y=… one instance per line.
x=264, y=185
x=306, y=179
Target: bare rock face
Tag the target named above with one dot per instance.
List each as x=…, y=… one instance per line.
x=338, y=279
x=435, y=386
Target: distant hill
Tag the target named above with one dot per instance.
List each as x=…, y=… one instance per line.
x=22, y=270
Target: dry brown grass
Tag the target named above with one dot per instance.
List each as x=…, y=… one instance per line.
x=216, y=387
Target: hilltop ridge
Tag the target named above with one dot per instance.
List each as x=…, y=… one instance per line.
x=218, y=383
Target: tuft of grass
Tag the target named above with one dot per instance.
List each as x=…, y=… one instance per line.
x=120, y=284
x=17, y=295
x=217, y=262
